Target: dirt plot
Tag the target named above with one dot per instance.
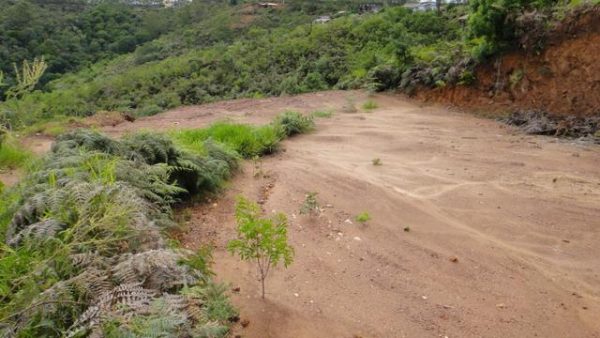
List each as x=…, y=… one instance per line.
x=477, y=230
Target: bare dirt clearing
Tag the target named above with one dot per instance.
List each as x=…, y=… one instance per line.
x=503, y=227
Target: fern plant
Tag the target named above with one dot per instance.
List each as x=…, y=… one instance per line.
x=85, y=252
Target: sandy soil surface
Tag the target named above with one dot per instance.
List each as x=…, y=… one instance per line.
x=476, y=230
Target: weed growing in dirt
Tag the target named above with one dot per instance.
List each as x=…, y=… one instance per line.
x=322, y=114
x=370, y=105
x=350, y=106
x=377, y=162
x=256, y=167
x=292, y=123
x=260, y=240
x=363, y=217
x=12, y=154
x=515, y=78
x=310, y=206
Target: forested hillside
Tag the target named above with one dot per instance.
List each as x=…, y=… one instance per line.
x=212, y=50
x=73, y=34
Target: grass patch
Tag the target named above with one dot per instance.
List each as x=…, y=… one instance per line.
x=350, y=106
x=363, y=217
x=324, y=114
x=370, y=105
x=377, y=162
x=12, y=154
x=248, y=141
x=50, y=128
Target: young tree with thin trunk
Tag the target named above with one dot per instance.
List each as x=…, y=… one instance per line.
x=261, y=240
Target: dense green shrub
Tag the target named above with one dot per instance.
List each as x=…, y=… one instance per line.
x=267, y=57
x=75, y=34
x=82, y=247
x=248, y=141
x=210, y=51
x=494, y=22
x=292, y=123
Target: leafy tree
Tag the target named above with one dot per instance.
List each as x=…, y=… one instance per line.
x=495, y=20
x=263, y=240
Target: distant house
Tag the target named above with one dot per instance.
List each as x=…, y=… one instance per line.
x=428, y=5
x=421, y=6
x=173, y=3
x=322, y=19
x=156, y=3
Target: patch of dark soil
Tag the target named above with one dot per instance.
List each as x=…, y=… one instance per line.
x=542, y=123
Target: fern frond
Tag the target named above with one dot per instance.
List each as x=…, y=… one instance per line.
x=37, y=231
x=155, y=269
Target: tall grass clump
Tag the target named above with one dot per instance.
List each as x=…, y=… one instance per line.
x=370, y=105
x=82, y=249
x=12, y=154
x=246, y=140
x=292, y=123
x=324, y=114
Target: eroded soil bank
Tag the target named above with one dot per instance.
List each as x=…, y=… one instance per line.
x=562, y=80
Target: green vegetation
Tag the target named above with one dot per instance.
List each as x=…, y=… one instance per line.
x=310, y=206
x=261, y=240
x=263, y=59
x=377, y=161
x=73, y=34
x=145, y=60
x=292, y=123
x=12, y=154
x=363, y=217
x=83, y=248
x=82, y=238
x=246, y=140
x=370, y=105
x=324, y=114
x=78, y=224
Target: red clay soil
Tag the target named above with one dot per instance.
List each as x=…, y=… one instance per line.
x=563, y=80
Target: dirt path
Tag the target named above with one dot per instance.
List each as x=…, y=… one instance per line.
x=503, y=228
